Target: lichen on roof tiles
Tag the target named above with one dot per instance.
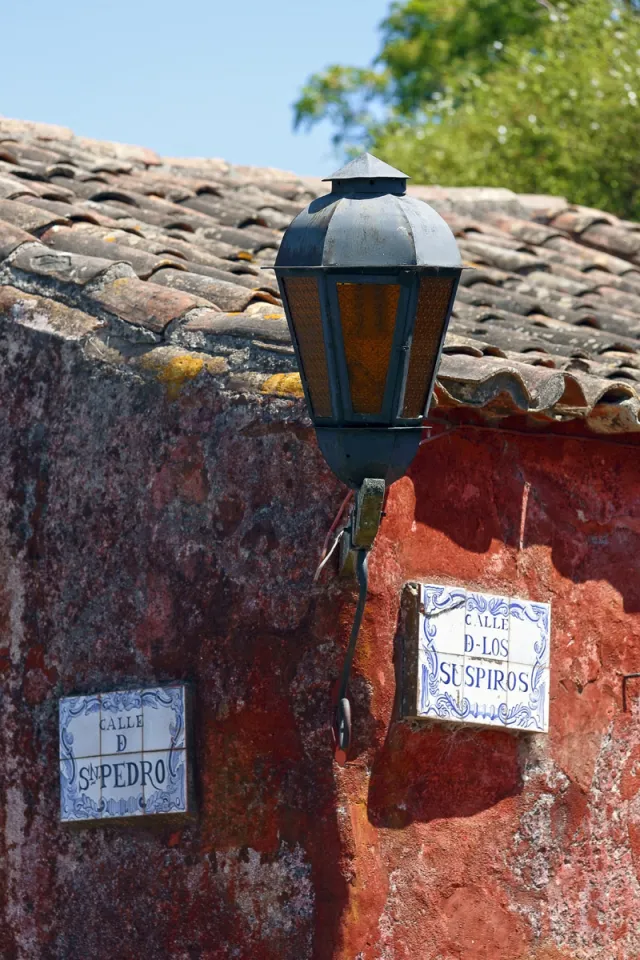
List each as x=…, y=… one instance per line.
x=145, y=260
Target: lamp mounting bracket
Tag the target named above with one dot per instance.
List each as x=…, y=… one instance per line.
x=363, y=524
x=367, y=513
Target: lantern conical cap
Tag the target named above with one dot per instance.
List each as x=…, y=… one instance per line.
x=368, y=221
x=367, y=167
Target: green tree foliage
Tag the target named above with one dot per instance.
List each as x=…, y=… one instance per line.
x=537, y=97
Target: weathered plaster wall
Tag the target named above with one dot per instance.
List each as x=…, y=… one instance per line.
x=152, y=532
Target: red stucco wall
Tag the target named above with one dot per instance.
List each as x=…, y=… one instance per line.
x=148, y=539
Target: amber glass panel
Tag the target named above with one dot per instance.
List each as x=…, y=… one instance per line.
x=433, y=302
x=304, y=305
x=368, y=317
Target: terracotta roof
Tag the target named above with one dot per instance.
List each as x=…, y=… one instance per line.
x=148, y=257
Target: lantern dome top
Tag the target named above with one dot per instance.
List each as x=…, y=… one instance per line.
x=368, y=220
x=366, y=166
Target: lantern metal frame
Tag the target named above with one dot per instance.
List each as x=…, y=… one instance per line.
x=361, y=445
x=408, y=279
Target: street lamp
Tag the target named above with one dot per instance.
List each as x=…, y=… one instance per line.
x=368, y=276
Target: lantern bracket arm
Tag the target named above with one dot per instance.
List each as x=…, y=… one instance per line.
x=357, y=540
x=342, y=716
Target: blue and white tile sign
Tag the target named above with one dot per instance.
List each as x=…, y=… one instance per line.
x=123, y=754
x=483, y=659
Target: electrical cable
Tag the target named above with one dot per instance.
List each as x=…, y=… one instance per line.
x=326, y=559
x=445, y=433
x=324, y=556
x=336, y=521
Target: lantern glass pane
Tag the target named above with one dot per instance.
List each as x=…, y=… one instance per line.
x=433, y=303
x=368, y=318
x=306, y=316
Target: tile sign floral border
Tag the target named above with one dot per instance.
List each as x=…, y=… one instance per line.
x=124, y=754
x=481, y=659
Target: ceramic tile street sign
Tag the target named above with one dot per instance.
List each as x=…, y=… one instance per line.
x=477, y=658
x=124, y=754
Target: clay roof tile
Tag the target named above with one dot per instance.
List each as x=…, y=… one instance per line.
x=144, y=304
x=28, y=217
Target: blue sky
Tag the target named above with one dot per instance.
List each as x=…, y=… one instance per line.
x=196, y=78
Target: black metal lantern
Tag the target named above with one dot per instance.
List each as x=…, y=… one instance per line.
x=368, y=276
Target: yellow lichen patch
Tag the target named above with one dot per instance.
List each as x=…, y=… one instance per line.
x=273, y=316
x=244, y=255
x=176, y=370
x=120, y=282
x=283, y=385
